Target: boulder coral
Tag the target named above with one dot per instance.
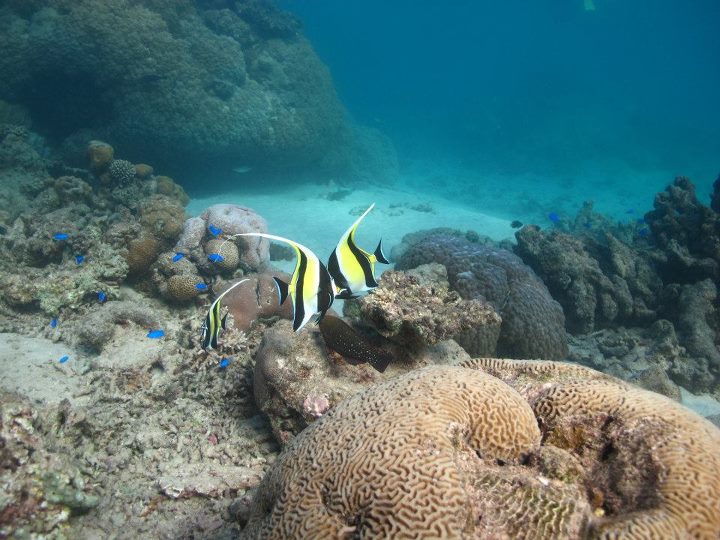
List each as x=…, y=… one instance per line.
x=651, y=466
x=395, y=461
x=533, y=324
x=232, y=219
x=245, y=91
x=496, y=449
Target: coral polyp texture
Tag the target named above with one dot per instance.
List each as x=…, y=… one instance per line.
x=653, y=466
x=456, y=452
x=392, y=462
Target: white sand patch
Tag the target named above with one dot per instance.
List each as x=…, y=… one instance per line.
x=30, y=367
x=703, y=404
x=306, y=215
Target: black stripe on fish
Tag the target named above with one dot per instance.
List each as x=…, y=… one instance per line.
x=363, y=262
x=340, y=280
x=326, y=294
x=299, y=300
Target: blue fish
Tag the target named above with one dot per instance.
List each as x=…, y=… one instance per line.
x=630, y=211
x=102, y=297
x=644, y=233
x=156, y=334
x=79, y=259
x=225, y=362
x=216, y=257
x=178, y=256
x=64, y=359
x=61, y=236
x=201, y=286
x=214, y=230
x=552, y=216
x=53, y=323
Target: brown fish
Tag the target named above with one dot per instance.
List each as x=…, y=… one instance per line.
x=356, y=349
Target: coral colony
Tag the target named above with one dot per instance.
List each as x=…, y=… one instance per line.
x=176, y=369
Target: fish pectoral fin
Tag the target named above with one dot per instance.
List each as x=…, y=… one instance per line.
x=283, y=289
x=379, y=255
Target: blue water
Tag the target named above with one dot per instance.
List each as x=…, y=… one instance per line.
x=536, y=104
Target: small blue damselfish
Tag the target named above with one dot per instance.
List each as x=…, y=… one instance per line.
x=225, y=362
x=178, y=256
x=214, y=230
x=64, y=359
x=216, y=257
x=61, y=236
x=53, y=323
x=79, y=259
x=554, y=217
x=201, y=286
x=156, y=334
x=102, y=297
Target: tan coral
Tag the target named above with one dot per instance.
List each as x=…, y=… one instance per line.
x=182, y=288
x=393, y=461
x=142, y=252
x=100, y=155
x=228, y=251
x=658, y=465
x=163, y=217
x=143, y=171
x=167, y=186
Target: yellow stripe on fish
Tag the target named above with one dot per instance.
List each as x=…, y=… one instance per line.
x=351, y=267
x=311, y=288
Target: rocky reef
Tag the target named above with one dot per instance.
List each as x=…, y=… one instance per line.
x=659, y=272
x=179, y=83
x=532, y=321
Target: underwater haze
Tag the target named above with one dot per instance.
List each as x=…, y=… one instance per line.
x=318, y=269
x=549, y=95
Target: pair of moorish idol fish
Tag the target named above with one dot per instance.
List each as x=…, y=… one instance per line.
x=313, y=287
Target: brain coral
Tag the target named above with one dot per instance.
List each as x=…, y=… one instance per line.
x=533, y=324
x=393, y=461
x=653, y=464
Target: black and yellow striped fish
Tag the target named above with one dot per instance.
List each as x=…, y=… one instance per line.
x=311, y=288
x=351, y=267
x=213, y=323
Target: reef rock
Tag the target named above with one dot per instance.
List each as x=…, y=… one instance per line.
x=231, y=220
x=613, y=284
x=416, y=309
x=298, y=377
x=532, y=322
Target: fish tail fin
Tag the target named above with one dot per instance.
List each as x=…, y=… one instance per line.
x=379, y=255
x=381, y=361
x=283, y=289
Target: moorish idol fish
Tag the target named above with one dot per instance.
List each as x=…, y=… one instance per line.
x=213, y=323
x=351, y=267
x=311, y=288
